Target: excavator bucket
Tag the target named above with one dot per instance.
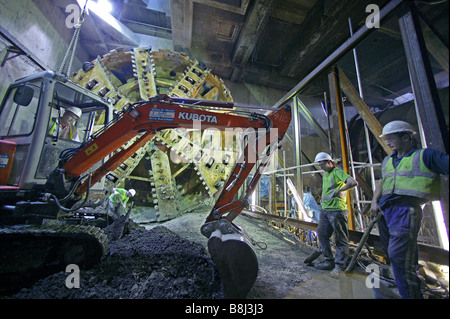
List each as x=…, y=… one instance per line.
x=232, y=252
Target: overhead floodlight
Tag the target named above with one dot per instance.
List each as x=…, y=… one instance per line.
x=84, y=4
x=105, y=5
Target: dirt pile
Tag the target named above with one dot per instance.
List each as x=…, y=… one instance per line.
x=155, y=263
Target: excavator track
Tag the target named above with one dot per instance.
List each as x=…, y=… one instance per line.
x=30, y=252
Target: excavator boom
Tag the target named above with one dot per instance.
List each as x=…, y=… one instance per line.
x=228, y=244
x=163, y=112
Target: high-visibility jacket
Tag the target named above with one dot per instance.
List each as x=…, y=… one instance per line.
x=411, y=178
x=120, y=197
x=70, y=135
x=332, y=181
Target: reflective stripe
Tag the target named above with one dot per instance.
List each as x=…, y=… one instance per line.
x=416, y=171
x=52, y=128
x=71, y=131
x=410, y=174
x=119, y=198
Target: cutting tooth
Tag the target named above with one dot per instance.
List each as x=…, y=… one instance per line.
x=164, y=186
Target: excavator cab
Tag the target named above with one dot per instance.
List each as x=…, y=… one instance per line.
x=34, y=134
x=33, y=242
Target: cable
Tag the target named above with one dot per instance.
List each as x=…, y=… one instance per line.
x=261, y=245
x=73, y=44
x=81, y=205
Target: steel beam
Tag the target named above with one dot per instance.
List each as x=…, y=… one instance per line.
x=314, y=124
x=366, y=114
x=336, y=101
x=430, y=115
x=298, y=146
x=255, y=22
x=337, y=54
x=23, y=49
x=426, y=98
x=426, y=252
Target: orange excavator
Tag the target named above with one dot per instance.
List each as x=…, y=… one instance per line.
x=28, y=201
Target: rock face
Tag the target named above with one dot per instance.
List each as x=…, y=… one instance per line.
x=155, y=263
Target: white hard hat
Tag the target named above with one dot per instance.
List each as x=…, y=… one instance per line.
x=397, y=127
x=322, y=156
x=74, y=110
x=131, y=192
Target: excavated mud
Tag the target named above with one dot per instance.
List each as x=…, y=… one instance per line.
x=139, y=263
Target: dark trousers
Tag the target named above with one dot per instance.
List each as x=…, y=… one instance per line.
x=398, y=229
x=334, y=222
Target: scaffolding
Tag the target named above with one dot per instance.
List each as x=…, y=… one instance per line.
x=336, y=139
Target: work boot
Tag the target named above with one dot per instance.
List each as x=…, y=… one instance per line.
x=336, y=272
x=325, y=265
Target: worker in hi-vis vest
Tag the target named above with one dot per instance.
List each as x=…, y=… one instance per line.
x=410, y=178
x=65, y=126
x=333, y=215
x=117, y=201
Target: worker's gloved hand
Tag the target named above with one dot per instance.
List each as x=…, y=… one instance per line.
x=374, y=209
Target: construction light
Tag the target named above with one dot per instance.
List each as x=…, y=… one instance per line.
x=84, y=4
x=103, y=6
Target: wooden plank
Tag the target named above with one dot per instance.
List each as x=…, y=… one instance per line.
x=366, y=114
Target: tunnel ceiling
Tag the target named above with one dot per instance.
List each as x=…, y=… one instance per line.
x=273, y=43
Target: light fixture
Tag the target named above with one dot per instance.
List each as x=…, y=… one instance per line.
x=84, y=4
x=105, y=5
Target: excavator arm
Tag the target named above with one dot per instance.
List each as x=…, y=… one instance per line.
x=229, y=246
x=145, y=119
